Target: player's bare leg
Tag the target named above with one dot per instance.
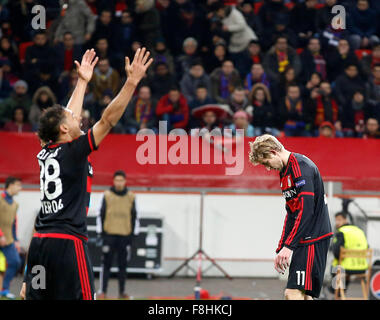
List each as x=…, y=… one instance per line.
x=294, y=294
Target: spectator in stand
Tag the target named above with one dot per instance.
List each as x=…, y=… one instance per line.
x=46, y=76
x=338, y=58
x=362, y=24
x=161, y=81
x=8, y=73
x=207, y=118
x=294, y=113
x=251, y=18
x=38, y=55
x=367, y=62
x=106, y=28
x=263, y=112
x=191, y=79
x=223, y=81
x=160, y=53
x=126, y=31
x=302, y=21
x=279, y=57
x=326, y=130
x=354, y=113
x=66, y=52
x=216, y=58
x=148, y=25
x=104, y=101
x=325, y=109
x=78, y=19
x=173, y=109
x=347, y=83
x=311, y=89
x=185, y=60
x=116, y=59
x=5, y=87
x=141, y=112
x=239, y=100
x=19, y=24
x=19, y=122
x=202, y=98
x=18, y=98
x=371, y=129
x=240, y=34
x=324, y=16
x=241, y=122
x=373, y=89
x=8, y=49
x=288, y=77
x=105, y=77
x=43, y=98
x=257, y=75
x=313, y=61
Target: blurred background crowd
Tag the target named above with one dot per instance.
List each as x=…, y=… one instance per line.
x=273, y=66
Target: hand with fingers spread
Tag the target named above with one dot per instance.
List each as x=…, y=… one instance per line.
x=137, y=69
x=282, y=260
x=86, y=67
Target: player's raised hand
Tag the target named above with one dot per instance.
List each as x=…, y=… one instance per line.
x=137, y=69
x=86, y=67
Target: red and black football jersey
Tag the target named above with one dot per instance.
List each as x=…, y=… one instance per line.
x=307, y=220
x=65, y=184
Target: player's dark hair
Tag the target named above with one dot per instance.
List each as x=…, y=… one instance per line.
x=11, y=180
x=50, y=120
x=341, y=214
x=119, y=173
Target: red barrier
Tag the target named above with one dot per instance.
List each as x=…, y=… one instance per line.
x=354, y=162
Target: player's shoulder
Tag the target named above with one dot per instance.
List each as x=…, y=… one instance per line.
x=305, y=164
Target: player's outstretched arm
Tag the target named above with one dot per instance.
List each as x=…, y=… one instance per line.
x=85, y=70
x=114, y=111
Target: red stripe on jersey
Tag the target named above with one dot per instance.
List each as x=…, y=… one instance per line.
x=296, y=225
x=80, y=271
x=316, y=239
x=283, y=234
x=296, y=167
x=306, y=193
x=90, y=140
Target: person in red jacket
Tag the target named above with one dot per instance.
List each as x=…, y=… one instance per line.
x=174, y=109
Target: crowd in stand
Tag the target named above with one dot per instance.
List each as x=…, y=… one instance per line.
x=271, y=66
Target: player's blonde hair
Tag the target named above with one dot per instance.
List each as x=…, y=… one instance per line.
x=261, y=148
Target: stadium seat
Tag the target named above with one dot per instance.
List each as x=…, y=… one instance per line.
x=364, y=277
x=360, y=53
x=257, y=6
x=22, y=50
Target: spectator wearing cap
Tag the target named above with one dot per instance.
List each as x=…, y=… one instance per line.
x=208, y=117
x=326, y=130
x=194, y=77
x=263, y=112
x=362, y=24
x=312, y=61
x=78, y=19
x=19, y=97
x=19, y=122
x=184, y=61
x=338, y=58
x=372, y=129
x=105, y=77
x=161, y=80
x=148, y=22
x=347, y=83
x=161, y=53
x=141, y=112
x=173, y=109
x=279, y=57
x=241, y=122
x=240, y=34
x=223, y=81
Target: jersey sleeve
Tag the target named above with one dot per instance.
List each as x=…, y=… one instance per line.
x=303, y=205
x=288, y=225
x=84, y=145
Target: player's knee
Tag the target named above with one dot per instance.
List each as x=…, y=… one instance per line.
x=293, y=294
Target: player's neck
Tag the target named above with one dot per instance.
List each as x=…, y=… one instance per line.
x=284, y=155
x=63, y=138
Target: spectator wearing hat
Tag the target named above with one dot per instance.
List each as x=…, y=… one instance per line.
x=141, y=112
x=43, y=98
x=19, y=122
x=173, y=109
x=223, y=81
x=105, y=77
x=326, y=130
x=263, y=112
x=241, y=122
x=372, y=129
x=194, y=77
x=161, y=80
x=208, y=117
x=18, y=98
